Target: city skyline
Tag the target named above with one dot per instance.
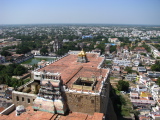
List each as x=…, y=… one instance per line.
x=144, y=12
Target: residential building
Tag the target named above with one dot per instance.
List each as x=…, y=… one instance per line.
x=131, y=77
x=122, y=62
x=2, y=59
x=114, y=40
x=153, y=74
x=141, y=69
x=139, y=50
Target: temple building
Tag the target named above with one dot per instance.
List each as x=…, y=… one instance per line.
x=49, y=98
x=73, y=83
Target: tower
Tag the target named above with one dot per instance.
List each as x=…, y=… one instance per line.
x=56, y=45
x=82, y=57
x=50, y=96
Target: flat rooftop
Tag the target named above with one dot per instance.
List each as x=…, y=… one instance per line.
x=30, y=114
x=70, y=70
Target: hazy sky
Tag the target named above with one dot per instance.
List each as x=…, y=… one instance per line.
x=80, y=11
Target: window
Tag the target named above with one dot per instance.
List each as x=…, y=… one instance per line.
x=17, y=98
x=22, y=98
x=28, y=100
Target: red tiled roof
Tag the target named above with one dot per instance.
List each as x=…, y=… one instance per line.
x=114, y=38
x=82, y=116
x=30, y=114
x=97, y=116
x=1, y=109
x=70, y=69
x=139, y=48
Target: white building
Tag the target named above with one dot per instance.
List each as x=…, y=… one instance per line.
x=36, y=52
x=122, y=62
x=141, y=69
x=131, y=77
x=153, y=74
x=114, y=40
x=155, y=91
x=136, y=63
x=156, y=53
x=2, y=59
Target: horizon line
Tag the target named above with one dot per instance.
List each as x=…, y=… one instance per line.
x=79, y=24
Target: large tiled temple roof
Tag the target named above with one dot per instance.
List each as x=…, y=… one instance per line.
x=70, y=69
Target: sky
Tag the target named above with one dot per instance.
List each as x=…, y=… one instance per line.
x=80, y=11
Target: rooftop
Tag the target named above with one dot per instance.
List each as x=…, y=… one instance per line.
x=70, y=70
x=30, y=114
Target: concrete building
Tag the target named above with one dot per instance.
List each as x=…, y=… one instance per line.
x=114, y=40
x=131, y=77
x=87, y=36
x=2, y=59
x=153, y=74
x=122, y=62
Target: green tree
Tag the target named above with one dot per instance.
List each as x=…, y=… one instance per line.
x=5, y=53
x=156, y=66
x=158, y=81
x=2, y=67
x=6, y=73
x=19, y=70
x=44, y=51
x=123, y=85
x=10, y=69
x=112, y=48
x=143, y=54
x=101, y=47
x=23, y=49
x=15, y=82
x=128, y=69
x=148, y=49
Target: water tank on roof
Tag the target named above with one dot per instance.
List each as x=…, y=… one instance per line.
x=20, y=109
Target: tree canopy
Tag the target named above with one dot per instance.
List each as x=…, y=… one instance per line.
x=23, y=49
x=156, y=66
x=6, y=73
x=123, y=85
x=158, y=81
x=112, y=48
x=44, y=51
x=5, y=53
x=128, y=69
x=19, y=70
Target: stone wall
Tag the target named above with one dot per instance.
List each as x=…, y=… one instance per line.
x=104, y=98
x=25, y=99
x=85, y=103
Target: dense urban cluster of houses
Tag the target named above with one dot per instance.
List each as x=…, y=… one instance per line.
x=144, y=91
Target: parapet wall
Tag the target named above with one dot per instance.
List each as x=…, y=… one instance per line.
x=25, y=99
